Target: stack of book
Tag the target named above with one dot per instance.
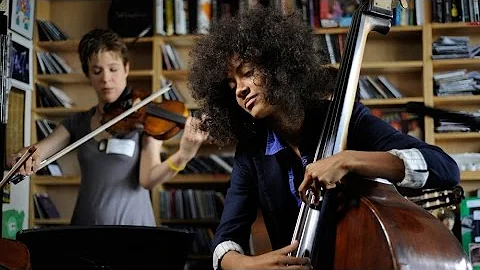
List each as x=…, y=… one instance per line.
x=451, y=47
x=456, y=82
x=447, y=125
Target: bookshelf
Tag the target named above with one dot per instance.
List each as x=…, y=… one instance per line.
x=403, y=55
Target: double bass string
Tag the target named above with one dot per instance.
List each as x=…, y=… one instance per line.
x=327, y=142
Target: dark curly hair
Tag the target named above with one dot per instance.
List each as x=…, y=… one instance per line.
x=98, y=40
x=284, y=49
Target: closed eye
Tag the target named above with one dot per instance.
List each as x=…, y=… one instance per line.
x=249, y=73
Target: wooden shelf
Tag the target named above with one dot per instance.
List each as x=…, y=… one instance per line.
x=470, y=175
x=190, y=221
x=175, y=74
x=56, y=180
x=457, y=135
x=390, y=101
x=80, y=77
x=199, y=179
x=456, y=25
x=58, y=111
x=51, y=221
x=386, y=67
x=179, y=40
x=72, y=45
x=456, y=100
x=343, y=30
x=456, y=63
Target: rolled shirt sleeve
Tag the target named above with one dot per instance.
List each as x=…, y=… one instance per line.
x=416, y=170
x=222, y=249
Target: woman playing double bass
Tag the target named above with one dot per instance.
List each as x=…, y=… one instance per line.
x=116, y=171
x=263, y=86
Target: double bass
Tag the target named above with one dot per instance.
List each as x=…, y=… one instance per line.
x=362, y=223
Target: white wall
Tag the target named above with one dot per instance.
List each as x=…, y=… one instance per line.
x=15, y=213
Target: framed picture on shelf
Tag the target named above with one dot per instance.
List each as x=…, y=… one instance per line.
x=22, y=17
x=4, y=6
x=21, y=62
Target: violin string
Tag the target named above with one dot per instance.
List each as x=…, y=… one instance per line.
x=162, y=113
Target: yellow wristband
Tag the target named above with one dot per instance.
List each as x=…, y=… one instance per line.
x=173, y=167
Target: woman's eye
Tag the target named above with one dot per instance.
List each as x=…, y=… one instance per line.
x=113, y=70
x=96, y=72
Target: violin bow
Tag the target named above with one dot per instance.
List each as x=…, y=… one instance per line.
x=18, y=178
x=21, y=161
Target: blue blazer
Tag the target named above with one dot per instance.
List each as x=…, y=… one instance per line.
x=261, y=181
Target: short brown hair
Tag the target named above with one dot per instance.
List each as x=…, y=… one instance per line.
x=98, y=40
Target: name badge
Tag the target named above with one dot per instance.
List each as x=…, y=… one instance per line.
x=120, y=146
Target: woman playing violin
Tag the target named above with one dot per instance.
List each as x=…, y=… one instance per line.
x=117, y=172
x=263, y=86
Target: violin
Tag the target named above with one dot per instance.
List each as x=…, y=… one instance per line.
x=17, y=178
x=161, y=120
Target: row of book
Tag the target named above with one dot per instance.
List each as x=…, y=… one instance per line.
x=334, y=43
x=328, y=13
x=52, y=96
x=174, y=93
x=379, y=87
x=456, y=82
x=401, y=120
x=52, y=63
x=467, y=161
x=170, y=58
x=44, y=206
x=45, y=127
x=178, y=17
x=49, y=31
x=211, y=164
x=191, y=204
x=445, y=11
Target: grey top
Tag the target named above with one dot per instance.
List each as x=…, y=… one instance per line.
x=109, y=193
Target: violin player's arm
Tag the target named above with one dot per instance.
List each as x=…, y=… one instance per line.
x=56, y=141
x=153, y=171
